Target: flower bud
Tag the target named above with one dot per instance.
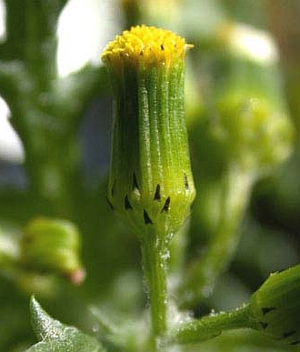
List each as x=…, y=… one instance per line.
x=52, y=245
x=275, y=306
x=150, y=183
x=246, y=118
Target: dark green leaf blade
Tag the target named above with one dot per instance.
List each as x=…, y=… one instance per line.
x=57, y=337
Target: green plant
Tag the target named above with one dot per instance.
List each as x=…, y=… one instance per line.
x=240, y=132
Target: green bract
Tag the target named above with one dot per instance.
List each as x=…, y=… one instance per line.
x=275, y=306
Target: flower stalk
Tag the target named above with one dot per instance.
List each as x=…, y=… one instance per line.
x=231, y=195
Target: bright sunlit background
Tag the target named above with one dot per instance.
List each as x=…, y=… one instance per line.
x=84, y=28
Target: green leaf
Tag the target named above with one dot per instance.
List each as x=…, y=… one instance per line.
x=57, y=337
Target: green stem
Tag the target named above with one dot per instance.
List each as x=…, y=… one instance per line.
x=212, y=325
x=14, y=46
x=178, y=247
x=132, y=12
x=201, y=276
x=155, y=256
x=55, y=178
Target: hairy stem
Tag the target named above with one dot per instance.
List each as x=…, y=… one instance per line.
x=212, y=325
x=155, y=255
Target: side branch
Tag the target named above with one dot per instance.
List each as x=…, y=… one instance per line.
x=213, y=325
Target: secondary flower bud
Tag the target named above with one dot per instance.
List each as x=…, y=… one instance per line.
x=246, y=122
x=150, y=184
x=275, y=306
x=52, y=245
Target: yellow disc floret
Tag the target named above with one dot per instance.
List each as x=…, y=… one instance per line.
x=145, y=45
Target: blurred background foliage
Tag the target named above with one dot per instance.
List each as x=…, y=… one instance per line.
x=63, y=117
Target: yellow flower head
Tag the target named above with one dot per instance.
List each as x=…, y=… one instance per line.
x=145, y=45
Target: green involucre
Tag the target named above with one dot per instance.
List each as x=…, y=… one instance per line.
x=275, y=306
x=151, y=184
